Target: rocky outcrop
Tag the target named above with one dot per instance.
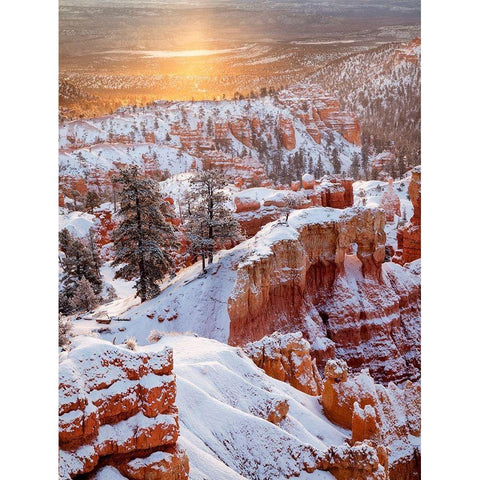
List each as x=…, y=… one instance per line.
x=287, y=358
x=347, y=124
x=240, y=129
x=246, y=171
x=407, y=53
x=409, y=236
x=266, y=205
x=362, y=461
x=390, y=202
x=117, y=408
x=306, y=281
x=287, y=133
x=320, y=111
x=385, y=416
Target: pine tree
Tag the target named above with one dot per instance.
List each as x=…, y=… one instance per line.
x=365, y=160
x=76, y=262
x=355, y=166
x=143, y=239
x=84, y=298
x=209, y=222
x=337, y=167
x=92, y=201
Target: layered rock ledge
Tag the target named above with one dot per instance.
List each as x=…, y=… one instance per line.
x=116, y=409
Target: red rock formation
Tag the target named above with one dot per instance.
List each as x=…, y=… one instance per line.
x=409, y=237
x=362, y=461
x=408, y=53
x=295, y=185
x=287, y=133
x=245, y=204
x=308, y=181
x=368, y=310
x=330, y=191
x=347, y=124
x=287, y=358
x=390, y=202
x=116, y=407
x=240, y=128
x=314, y=132
x=387, y=416
x=105, y=225
x=246, y=169
x=149, y=137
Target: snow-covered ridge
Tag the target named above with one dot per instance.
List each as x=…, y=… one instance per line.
x=193, y=302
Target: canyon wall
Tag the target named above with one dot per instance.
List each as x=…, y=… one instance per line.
x=409, y=236
x=117, y=410
x=368, y=311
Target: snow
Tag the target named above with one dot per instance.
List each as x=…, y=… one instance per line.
x=77, y=223
x=223, y=399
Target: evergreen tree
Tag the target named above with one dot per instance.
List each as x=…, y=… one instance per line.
x=143, y=239
x=337, y=167
x=209, y=222
x=84, y=298
x=365, y=159
x=76, y=262
x=320, y=172
x=355, y=167
x=401, y=166
x=92, y=201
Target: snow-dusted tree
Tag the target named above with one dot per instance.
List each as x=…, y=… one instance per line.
x=64, y=331
x=84, y=298
x=291, y=202
x=337, y=166
x=355, y=166
x=92, y=200
x=76, y=261
x=143, y=240
x=209, y=222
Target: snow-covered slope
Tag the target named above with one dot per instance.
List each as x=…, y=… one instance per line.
x=224, y=401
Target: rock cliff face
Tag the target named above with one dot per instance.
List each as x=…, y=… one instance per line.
x=287, y=133
x=386, y=416
x=116, y=408
x=286, y=358
x=307, y=281
x=409, y=237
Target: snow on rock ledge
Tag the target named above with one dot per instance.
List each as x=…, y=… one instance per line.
x=116, y=405
x=287, y=358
